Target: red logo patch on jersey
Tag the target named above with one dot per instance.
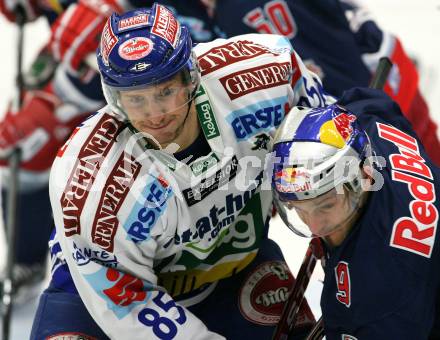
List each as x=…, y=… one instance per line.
x=264, y=293
x=227, y=54
x=415, y=233
x=135, y=48
x=254, y=79
x=82, y=177
x=343, y=283
x=114, y=192
x=165, y=25
x=126, y=290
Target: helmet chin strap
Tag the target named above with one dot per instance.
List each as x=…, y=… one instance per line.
x=184, y=121
x=187, y=112
x=192, y=95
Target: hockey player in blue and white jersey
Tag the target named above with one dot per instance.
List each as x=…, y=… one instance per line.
x=355, y=175
x=158, y=198
x=61, y=89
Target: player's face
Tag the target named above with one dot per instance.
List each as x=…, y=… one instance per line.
x=327, y=213
x=159, y=110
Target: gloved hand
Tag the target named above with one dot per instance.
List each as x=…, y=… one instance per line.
x=76, y=33
x=30, y=8
x=39, y=128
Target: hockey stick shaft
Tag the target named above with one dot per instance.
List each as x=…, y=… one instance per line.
x=317, y=332
x=380, y=76
x=288, y=317
x=296, y=296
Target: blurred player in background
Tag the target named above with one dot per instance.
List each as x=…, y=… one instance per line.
x=355, y=175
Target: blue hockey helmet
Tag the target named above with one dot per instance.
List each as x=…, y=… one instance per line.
x=315, y=151
x=143, y=48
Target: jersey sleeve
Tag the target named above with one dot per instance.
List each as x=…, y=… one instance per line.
x=235, y=69
x=114, y=273
x=307, y=87
x=124, y=305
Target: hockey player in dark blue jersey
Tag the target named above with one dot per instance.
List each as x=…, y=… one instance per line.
x=355, y=175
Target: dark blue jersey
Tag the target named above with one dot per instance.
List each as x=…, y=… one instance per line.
x=382, y=281
x=317, y=29
x=338, y=40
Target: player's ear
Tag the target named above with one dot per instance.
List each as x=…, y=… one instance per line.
x=367, y=176
x=367, y=170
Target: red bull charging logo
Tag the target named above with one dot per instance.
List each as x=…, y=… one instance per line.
x=292, y=180
x=337, y=131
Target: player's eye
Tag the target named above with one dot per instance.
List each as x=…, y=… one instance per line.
x=326, y=207
x=135, y=100
x=166, y=92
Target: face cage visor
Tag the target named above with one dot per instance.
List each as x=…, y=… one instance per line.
x=341, y=205
x=154, y=99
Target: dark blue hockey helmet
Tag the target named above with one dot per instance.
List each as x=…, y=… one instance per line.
x=142, y=48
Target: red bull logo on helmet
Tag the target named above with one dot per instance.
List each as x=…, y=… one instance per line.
x=337, y=131
x=292, y=180
x=343, y=124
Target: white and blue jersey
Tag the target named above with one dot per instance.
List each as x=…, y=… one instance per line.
x=141, y=230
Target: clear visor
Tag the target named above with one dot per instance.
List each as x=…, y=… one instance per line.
x=320, y=216
x=152, y=100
